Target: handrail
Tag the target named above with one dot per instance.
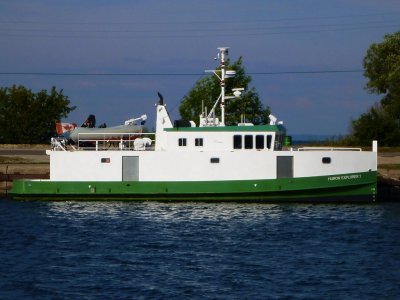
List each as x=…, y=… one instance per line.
x=328, y=149
x=107, y=140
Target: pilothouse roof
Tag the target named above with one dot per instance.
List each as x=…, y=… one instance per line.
x=255, y=128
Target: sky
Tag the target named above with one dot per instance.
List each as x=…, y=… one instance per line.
x=112, y=57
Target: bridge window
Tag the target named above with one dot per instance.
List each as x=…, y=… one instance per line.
x=237, y=142
x=269, y=141
x=259, y=142
x=279, y=142
x=248, y=142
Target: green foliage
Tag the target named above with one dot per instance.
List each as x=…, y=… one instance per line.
x=382, y=68
x=376, y=124
x=29, y=118
x=207, y=90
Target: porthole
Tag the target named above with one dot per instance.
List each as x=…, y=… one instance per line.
x=326, y=160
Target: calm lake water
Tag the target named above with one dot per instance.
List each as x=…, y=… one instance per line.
x=115, y=250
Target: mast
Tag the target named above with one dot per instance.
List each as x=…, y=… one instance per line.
x=210, y=120
x=221, y=55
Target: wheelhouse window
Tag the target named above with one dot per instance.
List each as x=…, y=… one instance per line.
x=182, y=142
x=269, y=141
x=279, y=142
x=237, y=142
x=198, y=142
x=248, y=142
x=259, y=142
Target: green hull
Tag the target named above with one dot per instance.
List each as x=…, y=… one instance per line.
x=346, y=187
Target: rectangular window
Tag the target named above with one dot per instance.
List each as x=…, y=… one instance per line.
x=237, y=142
x=105, y=160
x=326, y=160
x=214, y=160
x=259, y=142
x=182, y=142
x=248, y=142
x=269, y=141
x=198, y=142
x=278, y=142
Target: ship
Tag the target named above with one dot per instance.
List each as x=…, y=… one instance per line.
x=209, y=161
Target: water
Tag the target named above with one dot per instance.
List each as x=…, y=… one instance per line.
x=115, y=250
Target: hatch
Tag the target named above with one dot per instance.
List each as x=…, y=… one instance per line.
x=130, y=168
x=284, y=167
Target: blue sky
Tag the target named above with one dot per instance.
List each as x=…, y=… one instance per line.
x=181, y=37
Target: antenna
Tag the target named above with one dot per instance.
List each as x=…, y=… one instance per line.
x=223, y=51
x=222, y=75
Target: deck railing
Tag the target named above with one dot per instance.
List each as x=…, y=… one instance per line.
x=108, y=141
x=328, y=149
x=115, y=141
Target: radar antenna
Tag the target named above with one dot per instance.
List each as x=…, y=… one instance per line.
x=222, y=74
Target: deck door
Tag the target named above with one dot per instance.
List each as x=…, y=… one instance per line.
x=130, y=168
x=284, y=167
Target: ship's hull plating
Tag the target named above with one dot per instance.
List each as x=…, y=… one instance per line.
x=343, y=187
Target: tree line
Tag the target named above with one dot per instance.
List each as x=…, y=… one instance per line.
x=29, y=118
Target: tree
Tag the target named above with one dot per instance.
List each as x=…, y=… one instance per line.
x=382, y=68
x=207, y=90
x=375, y=125
x=26, y=117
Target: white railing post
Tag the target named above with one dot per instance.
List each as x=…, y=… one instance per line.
x=374, y=146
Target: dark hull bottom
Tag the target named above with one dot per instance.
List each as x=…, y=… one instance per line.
x=299, y=197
